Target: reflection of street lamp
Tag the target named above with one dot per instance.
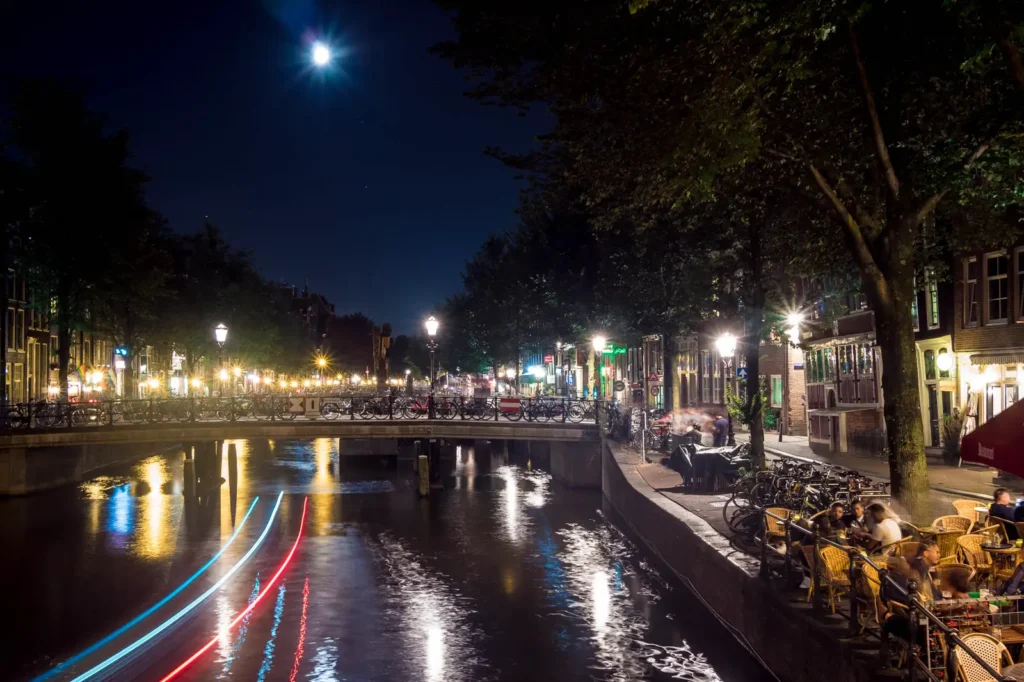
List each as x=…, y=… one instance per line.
x=599, y=342
x=726, y=346
x=431, y=324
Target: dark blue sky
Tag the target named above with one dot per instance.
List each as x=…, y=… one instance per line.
x=369, y=180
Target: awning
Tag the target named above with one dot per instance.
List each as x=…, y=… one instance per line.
x=1007, y=357
x=998, y=443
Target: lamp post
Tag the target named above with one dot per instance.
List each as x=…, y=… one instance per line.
x=431, y=324
x=220, y=333
x=726, y=346
x=599, y=342
x=792, y=338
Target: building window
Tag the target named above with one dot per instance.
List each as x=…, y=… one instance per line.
x=776, y=390
x=10, y=328
x=1019, y=257
x=716, y=367
x=19, y=331
x=705, y=377
x=971, y=310
x=932, y=302
x=915, y=315
x=997, y=289
x=929, y=365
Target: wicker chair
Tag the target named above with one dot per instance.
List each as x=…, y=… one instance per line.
x=1008, y=529
x=776, y=528
x=965, y=508
x=870, y=594
x=977, y=558
x=942, y=569
x=953, y=522
x=989, y=649
x=905, y=548
x=948, y=546
x=835, y=573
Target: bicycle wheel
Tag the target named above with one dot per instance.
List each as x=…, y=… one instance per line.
x=576, y=413
x=284, y=410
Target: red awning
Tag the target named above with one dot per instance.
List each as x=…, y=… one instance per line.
x=999, y=442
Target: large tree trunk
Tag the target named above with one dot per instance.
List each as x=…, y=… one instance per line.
x=755, y=330
x=894, y=330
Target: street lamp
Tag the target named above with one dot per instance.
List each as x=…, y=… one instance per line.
x=220, y=333
x=431, y=324
x=794, y=320
x=726, y=346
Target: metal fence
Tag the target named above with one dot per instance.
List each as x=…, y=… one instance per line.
x=917, y=660
x=43, y=416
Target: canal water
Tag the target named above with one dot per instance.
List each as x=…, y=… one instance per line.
x=503, y=575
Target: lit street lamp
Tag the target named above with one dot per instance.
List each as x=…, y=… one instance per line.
x=431, y=324
x=794, y=320
x=220, y=333
x=726, y=346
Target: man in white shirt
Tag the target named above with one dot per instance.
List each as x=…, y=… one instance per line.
x=886, y=531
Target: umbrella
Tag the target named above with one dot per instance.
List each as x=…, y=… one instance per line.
x=999, y=442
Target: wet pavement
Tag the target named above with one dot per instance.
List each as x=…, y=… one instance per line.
x=503, y=575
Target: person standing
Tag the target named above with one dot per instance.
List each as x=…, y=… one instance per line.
x=721, y=431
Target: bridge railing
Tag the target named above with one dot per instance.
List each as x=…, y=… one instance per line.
x=41, y=416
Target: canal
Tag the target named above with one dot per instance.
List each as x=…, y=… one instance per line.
x=503, y=575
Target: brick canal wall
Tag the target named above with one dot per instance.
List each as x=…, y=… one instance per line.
x=789, y=642
x=25, y=470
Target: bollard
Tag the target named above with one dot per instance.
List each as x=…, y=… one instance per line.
x=424, y=470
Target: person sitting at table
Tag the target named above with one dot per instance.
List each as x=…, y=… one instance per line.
x=835, y=516
x=856, y=519
x=957, y=583
x=1001, y=509
x=927, y=558
x=887, y=530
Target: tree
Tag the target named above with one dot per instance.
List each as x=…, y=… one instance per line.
x=690, y=102
x=84, y=198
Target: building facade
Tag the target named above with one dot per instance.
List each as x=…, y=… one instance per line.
x=988, y=331
x=26, y=336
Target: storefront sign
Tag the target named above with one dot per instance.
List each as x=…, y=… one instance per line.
x=619, y=385
x=548, y=359
x=655, y=390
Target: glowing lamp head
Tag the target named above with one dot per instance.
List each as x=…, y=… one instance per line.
x=794, y=319
x=431, y=324
x=510, y=373
x=599, y=342
x=321, y=362
x=321, y=54
x=154, y=383
x=223, y=375
x=726, y=345
x=408, y=372
x=196, y=383
x=220, y=332
x=294, y=384
x=944, y=362
x=237, y=371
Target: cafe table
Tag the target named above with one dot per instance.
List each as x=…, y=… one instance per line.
x=1004, y=557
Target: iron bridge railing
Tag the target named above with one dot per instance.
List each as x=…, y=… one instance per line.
x=43, y=416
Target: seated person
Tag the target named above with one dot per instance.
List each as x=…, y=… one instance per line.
x=928, y=556
x=886, y=532
x=1003, y=510
x=856, y=519
x=834, y=517
x=956, y=583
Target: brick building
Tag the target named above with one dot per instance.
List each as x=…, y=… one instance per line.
x=26, y=336
x=988, y=331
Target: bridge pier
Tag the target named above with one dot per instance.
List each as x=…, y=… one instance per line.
x=578, y=465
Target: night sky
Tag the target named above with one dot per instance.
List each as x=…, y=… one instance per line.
x=368, y=180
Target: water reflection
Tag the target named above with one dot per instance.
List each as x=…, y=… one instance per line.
x=433, y=615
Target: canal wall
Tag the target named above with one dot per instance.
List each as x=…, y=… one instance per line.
x=33, y=469
x=794, y=646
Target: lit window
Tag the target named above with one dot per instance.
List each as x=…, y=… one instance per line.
x=929, y=365
x=997, y=288
x=914, y=315
x=776, y=390
x=932, y=301
x=1020, y=283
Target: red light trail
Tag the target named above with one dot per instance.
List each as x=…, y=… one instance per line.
x=266, y=588
x=302, y=632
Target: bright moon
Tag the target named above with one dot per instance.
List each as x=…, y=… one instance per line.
x=321, y=55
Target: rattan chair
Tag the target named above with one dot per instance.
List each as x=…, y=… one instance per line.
x=835, y=573
x=870, y=594
x=966, y=509
x=1008, y=529
x=776, y=528
x=976, y=557
x=942, y=569
x=953, y=522
x=905, y=548
x=989, y=649
x=949, y=549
